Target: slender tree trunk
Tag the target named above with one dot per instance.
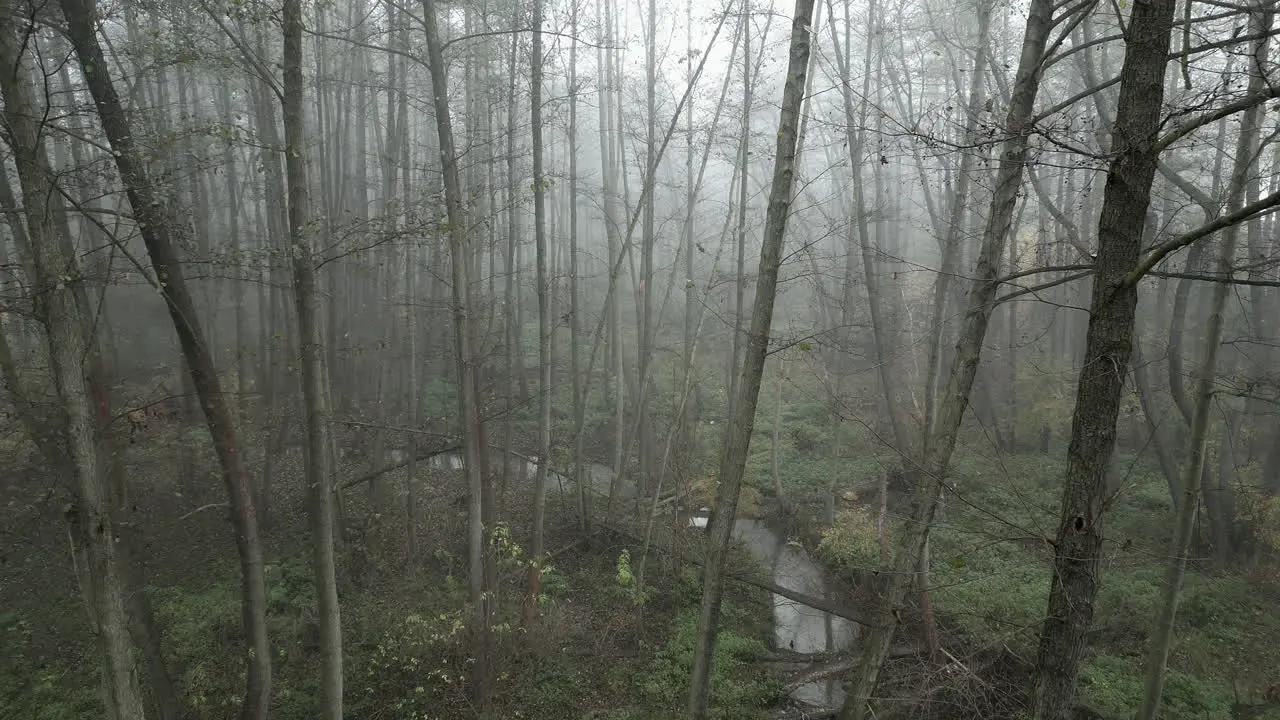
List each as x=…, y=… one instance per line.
x=64, y=311
x=155, y=224
x=319, y=441
x=1246, y=154
x=1155, y=423
x=940, y=443
x=1108, y=344
x=511, y=297
x=545, y=328
x=744, y=163
x=775, y=454
x=411, y=472
x=737, y=440
x=467, y=361
x=689, y=421
x=647, y=329
x=581, y=475
x=855, y=139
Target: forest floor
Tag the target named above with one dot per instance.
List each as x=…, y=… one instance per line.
x=991, y=554
x=599, y=648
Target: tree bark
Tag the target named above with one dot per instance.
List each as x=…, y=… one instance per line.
x=575, y=326
x=57, y=276
x=467, y=362
x=545, y=328
x=319, y=467
x=156, y=226
x=744, y=165
x=955, y=223
x=737, y=441
x=940, y=443
x=1108, y=346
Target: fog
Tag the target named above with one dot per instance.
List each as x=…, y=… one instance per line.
x=400, y=292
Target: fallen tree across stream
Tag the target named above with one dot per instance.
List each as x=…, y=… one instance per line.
x=813, y=601
x=817, y=603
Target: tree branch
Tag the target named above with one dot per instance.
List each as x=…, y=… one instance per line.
x=1159, y=252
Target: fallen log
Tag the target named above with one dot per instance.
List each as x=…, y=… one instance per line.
x=816, y=713
x=821, y=673
x=371, y=476
x=817, y=603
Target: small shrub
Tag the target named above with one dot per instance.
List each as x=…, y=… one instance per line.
x=1258, y=518
x=1112, y=686
x=414, y=667
x=853, y=544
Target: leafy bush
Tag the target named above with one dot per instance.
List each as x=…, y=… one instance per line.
x=203, y=641
x=202, y=635
x=1112, y=687
x=417, y=665
x=1258, y=517
x=702, y=493
x=853, y=544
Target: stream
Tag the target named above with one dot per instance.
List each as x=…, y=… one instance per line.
x=796, y=627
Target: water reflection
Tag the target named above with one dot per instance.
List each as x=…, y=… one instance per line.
x=798, y=627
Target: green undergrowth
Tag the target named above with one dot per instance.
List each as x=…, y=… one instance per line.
x=36, y=687
x=990, y=578
x=601, y=648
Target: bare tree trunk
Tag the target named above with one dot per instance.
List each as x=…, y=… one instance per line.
x=955, y=225
x=940, y=442
x=647, y=330
x=744, y=164
x=319, y=441
x=156, y=226
x=1246, y=154
x=737, y=440
x=580, y=470
x=1159, y=434
x=688, y=421
x=545, y=328
x=411, y=472
x=608, y=171
x=855, y=139
x=1078, y=543
x=467, y=362
x=69, y=344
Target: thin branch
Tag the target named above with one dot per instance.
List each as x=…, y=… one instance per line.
x=249, y=55
x=1212, y=116
x=1043, y=286
x=1159, y=252
x=202, y=508
x=510, y=31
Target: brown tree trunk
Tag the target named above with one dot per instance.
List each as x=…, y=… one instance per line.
x=1108, y=346
x=156, y=226
x=545, y=329
x=61, y=304
x=319, y=465
x=741, y=424
x=470, y=420
x=940, y=442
